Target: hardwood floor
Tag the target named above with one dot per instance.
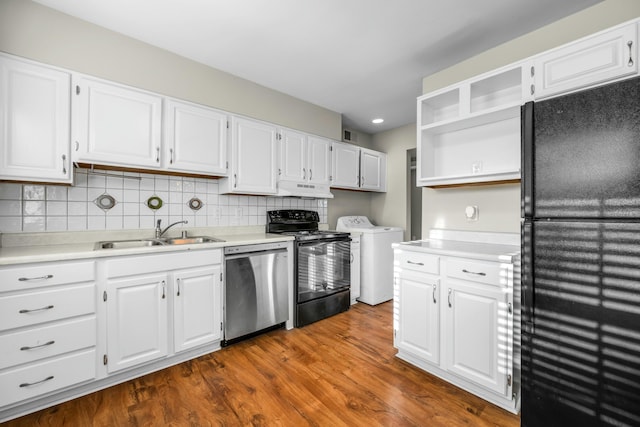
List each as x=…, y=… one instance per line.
x=341, y=371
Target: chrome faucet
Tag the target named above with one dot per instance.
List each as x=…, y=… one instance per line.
x=160, y=231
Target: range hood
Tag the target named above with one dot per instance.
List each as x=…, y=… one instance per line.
x=296, y=189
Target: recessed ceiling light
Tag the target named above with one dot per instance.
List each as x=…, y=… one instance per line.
x=377, y=121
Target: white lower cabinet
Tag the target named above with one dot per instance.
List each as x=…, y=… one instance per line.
x=453, y=317
x=136, y=320
x=196, y=291
x=139, y=292
x=420, y=316
x=476, y=345
x=47, y=329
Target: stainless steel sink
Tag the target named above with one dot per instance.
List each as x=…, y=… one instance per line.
x=190, y=240
x=141, y=243
x=127, y=244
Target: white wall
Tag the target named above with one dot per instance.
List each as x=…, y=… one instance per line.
x=36, y=32
x=390, y=208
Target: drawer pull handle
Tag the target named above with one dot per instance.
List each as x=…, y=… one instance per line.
x=474, y=272
x=434, y=294
x=415, y=263
x=26, y=279
x=23, y=311
x=37, y=346
x=50, y=377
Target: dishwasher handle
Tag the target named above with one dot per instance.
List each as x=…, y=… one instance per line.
x=254, y=253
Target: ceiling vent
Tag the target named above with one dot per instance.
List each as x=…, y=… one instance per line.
x=349, y=135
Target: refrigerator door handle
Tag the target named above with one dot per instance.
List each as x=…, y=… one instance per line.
x=527, y=280
x=526, y=184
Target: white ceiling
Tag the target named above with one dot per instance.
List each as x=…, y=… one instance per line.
x=361, y=58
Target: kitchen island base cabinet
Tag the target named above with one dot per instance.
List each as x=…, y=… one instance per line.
x=453, y=317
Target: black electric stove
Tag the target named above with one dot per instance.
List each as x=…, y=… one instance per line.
x=322, y=264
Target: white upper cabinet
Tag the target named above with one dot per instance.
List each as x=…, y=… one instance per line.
x=305, y=165
x=116, y=125
x=195, y=138
x=319, y=160
x=253, y=158
x=346, y=166
x=470, y=132
x=34, y=122
x=606, y=56
x=358, y=168
x=373, y=170
x=293, y=156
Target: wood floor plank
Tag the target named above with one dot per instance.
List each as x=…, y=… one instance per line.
x=341, y=371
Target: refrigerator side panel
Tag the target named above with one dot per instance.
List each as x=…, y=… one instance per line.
x=586, y=154
x=581, y=364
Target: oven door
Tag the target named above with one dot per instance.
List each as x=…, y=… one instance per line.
x=323, y=268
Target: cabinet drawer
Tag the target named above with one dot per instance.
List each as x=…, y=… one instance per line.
x=37, y=307
x=40, y=378
x=35, y=276
x=476, y=271
x=47, y=341
x=417, y=261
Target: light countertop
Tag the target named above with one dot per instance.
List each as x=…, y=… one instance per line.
x=502, y=247
x=46, y=247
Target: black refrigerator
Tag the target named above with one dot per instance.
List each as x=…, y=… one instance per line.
x=581, y=258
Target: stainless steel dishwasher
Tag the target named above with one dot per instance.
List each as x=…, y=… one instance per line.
x=256, y=289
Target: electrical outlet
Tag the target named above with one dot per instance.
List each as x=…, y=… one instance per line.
x=471, y=212
x=476, y=167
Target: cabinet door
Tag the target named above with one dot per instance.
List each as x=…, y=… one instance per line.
x=346, y=166
x=254, y=164
x=293, y=149
x=373, y=165
x=476, y=334
x=419, y=328
x=196, y=139
x=197, y=307
x=136, y=320
x=34, y=122
x=116, y=125
x=594, y=60
x=318, y=160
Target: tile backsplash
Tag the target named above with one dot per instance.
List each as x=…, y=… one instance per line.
x=37, y=208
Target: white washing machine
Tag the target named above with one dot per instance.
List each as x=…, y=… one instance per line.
x=376, y=257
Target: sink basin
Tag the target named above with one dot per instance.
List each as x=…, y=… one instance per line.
x=142, y=243
x=191, y=240
x=126, y=244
